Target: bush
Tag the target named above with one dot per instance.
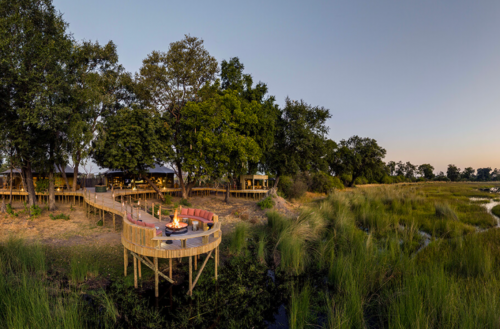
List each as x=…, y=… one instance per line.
x=387, y=180
x=360, y=181
x=322, y=182
x=35, y=210
x=266, y=203
x=60, y=216
x=346, y=178
x=167, y=199
x=337, y=183
x=292, y=188
x=443, y=210
x=496, y=211
x=42, y=185
x=185, y=202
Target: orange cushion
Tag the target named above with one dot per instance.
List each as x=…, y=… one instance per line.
x=203, y=213
x=150, y=225
x=190, y=212
x=209, y=215
x=197, y=212
x=184, y=211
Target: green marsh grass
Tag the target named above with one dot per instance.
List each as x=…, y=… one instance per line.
x=299, y=307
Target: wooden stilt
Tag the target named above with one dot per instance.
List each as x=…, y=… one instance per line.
x=190, y=293
x=140, y=269
x=114, y=226
x=195, y=263
x=135, y=272
x=157, y=293
x=125, y=261
x=216, y=261
x=170, y=268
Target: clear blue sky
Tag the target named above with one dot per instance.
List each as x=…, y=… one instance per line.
x=421, y=77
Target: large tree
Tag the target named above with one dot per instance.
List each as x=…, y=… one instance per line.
x=221, y=146
x=133, y=140
x=358, y=157
x=468, y=173
x=100, y=89
x=483, y=174
x=34, y=83
x=453, y=173
x=167, y=82
x=300, y=140
x=426, y=171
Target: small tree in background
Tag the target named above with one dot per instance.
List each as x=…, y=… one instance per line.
x=453, y=173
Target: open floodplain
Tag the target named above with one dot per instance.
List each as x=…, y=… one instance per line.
x=400, y=256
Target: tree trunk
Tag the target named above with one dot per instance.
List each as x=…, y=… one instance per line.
x=52, y=193
x=2, y=207
x=11, y=181
x=26, y=171
x=63, y=173
x=276, y=182
x=75, y=174
x=153, y=185
x=228, y=189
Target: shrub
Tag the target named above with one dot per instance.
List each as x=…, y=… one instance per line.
x=360, y=181
x=346, y=178
x=266, y=203
x=387, y=180
x=322, y=182
x=293, y=188
x=337, y=183
x=60, y=216
x=185, y=202
x=167, y=199
x=42, y=185
x=35, y=210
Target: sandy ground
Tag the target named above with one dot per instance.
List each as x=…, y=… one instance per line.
x=79, y=230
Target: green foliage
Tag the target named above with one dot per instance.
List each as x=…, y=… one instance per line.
x=300, y=143
x=132, y=140
x=360, y=181
x=426, y=170
x=184, y=202
x=167, y=199
x=358, y=157
x=42, y=186
x=453, y=173
x=10, y=211
x=324, y=183
x=35, y=211
x=266, y=203
x=60, y=216
x=292, y=188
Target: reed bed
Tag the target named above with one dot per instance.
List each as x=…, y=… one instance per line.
x=363, y=250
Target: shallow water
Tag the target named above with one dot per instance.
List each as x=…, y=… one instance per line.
x=489, y=206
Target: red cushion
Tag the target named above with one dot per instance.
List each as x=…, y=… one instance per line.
x=159, y=233
x=197, y=212
x=150, y=225
x=202, y=213
x=141, y=223
x=184, y=211
x=132, y=221
x=209, y=215
x=129, y=217
x=190, y=212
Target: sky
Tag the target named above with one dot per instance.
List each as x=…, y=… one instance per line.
x=420, y=77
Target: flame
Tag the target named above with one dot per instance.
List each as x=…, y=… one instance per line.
x=175, y=222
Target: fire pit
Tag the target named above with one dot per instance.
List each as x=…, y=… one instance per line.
x=176, y=227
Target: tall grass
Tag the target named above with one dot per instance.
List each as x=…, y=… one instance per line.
x=83, y=266
x=359, y=248
x=238, y=239
x=299, y=307
x=27, y=301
